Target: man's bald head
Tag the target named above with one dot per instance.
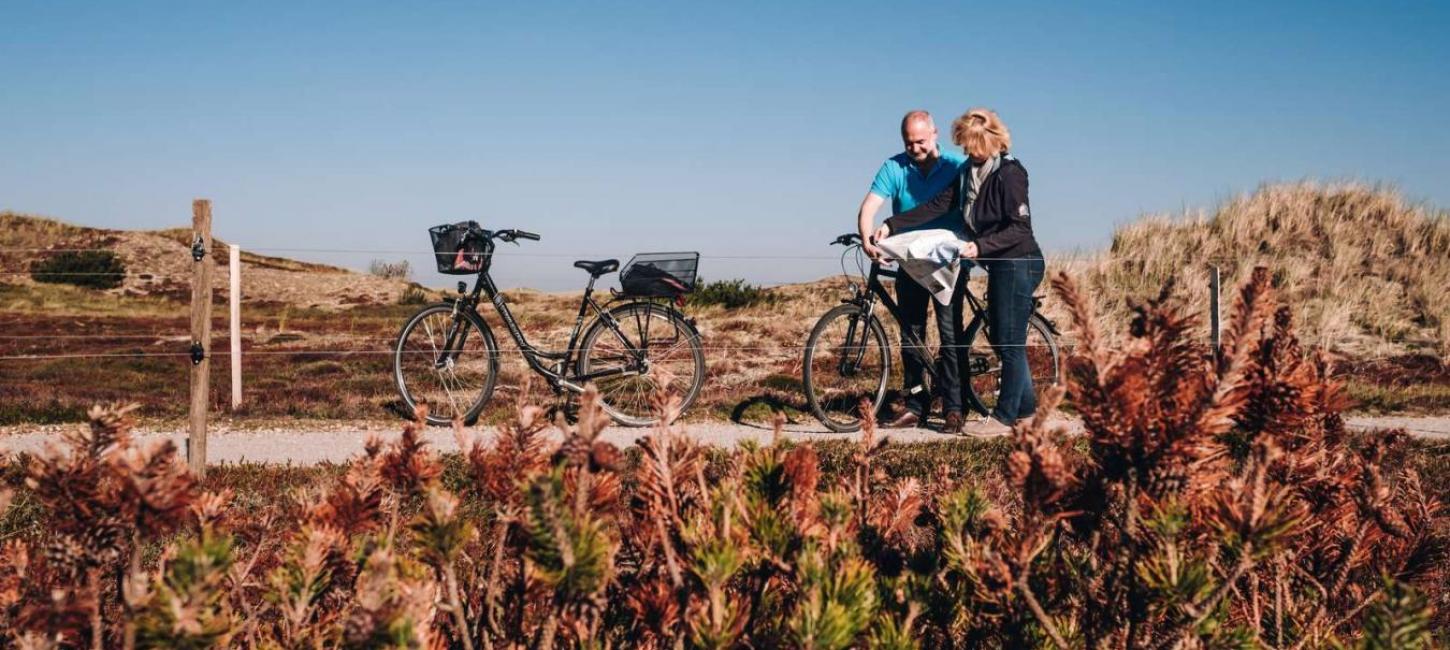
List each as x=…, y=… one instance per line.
x=919, y=118
x=918, y=133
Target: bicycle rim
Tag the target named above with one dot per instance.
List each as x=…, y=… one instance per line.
x=455, y=381
x=674, y=362
x=847, y=360
x=984, y=369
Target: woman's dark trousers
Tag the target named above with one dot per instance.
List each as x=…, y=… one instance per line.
x=912, y=298
x=1010, y=285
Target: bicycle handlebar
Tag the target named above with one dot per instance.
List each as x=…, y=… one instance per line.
x=847, y=239
x=508, y=234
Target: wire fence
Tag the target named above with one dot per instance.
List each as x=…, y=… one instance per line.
x=389, y=351
x=269, y=338
x=1054, y=258
x=1064, y=347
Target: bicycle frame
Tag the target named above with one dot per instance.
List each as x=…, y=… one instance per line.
x=875, y=291
x=558, y=375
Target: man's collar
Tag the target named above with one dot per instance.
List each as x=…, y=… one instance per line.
x=914, y=165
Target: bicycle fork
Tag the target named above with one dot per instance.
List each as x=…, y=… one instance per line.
x=850, y=362
x=457, y=337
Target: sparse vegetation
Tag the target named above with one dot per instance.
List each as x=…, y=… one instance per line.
x=88, y=269
x=399, y=270
x=746, y=345
x=1212, y=503
x=415, y=294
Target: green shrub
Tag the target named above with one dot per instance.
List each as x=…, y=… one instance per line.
x=91, y=269
x=731, y=294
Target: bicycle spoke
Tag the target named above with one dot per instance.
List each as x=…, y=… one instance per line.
x=847, y=362
x=451, y=379
x=441, y=373
x=670, y=351
x=666, y=347
x=986, y=384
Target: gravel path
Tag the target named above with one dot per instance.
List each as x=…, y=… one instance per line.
x=309, y=443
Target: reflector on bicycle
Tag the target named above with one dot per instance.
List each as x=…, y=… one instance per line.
x=458, y=250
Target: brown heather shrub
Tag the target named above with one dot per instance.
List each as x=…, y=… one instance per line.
x=1213, y=502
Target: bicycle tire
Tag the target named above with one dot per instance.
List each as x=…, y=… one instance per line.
x=628, y=401
x=979, y=389
x=833, y=409
x=442, y=412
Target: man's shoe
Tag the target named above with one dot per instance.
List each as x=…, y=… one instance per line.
x=988, y=428
x=953, y=425
x=907, y=420
x=894, y=408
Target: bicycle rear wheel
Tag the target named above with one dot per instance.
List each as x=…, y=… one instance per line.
x=847, y=359
x=673, y=361
x=984, y=370
x=456, y=380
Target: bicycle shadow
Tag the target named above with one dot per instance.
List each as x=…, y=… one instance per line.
x=795, y=409
x=397, y=408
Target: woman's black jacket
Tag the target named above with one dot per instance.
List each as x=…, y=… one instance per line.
x=1000, y=221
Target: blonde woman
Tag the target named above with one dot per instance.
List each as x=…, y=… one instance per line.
x=990, y=196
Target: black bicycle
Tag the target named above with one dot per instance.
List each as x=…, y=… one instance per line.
x=446, y=355
x=848, y=356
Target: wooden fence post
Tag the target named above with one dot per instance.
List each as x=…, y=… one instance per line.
x=236, y=318
x=1216, y=329
x=200, y=335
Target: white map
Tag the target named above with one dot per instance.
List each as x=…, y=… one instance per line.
x=931, y=257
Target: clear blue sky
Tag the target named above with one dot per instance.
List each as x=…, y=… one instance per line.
x=732, y=128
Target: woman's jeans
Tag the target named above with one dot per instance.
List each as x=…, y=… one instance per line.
x=1010, y=285
x=912, y=298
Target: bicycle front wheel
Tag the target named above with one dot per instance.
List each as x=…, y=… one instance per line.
x=847, y=360
x=639, y=350
x=445, y=361
x=984, y=368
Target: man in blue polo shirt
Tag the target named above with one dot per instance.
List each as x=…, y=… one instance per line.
x=907, y=179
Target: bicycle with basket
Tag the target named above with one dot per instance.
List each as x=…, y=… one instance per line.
x=847, y=357
x=637, y=344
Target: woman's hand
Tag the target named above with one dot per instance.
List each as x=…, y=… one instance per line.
x=970, y=250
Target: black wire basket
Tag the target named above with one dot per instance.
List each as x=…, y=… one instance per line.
x=659, y=275
x=459, y=250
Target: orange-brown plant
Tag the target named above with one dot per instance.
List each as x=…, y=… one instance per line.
x=1214, y=499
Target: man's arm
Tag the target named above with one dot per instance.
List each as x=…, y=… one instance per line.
x=866, y=217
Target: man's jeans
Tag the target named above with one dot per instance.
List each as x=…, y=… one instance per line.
x=1010, y=285
x=913, y=299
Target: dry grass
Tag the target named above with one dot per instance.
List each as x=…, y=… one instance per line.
x=1367, y=273
x=160, y=266
x=1364, y=272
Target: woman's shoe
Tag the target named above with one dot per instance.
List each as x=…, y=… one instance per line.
x=988, y=428
x=907, y=420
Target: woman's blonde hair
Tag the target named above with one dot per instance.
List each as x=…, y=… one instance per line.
x=979, y=130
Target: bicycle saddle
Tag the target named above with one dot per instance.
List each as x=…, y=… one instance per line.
x=597, y=268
